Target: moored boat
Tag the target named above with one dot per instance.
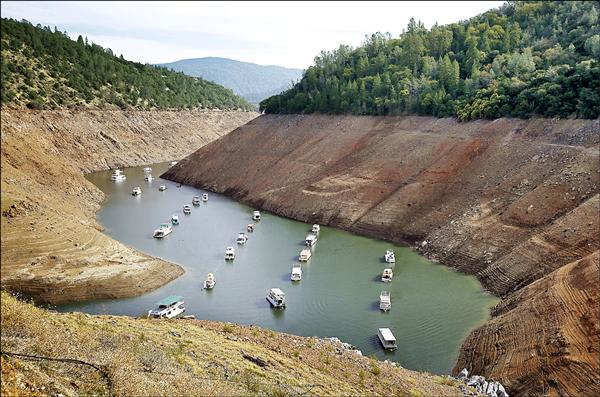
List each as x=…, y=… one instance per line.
x=162, y=188
x=310, y=240
x=242, y=238
x=137, y=191
x=276, y=298
x=205, y=197
x=147, y=169
x=387, y=338
x=387, y=275
x=385, y=301
x=250, y=227
x=210, y=281
x=149, y=178
x=172, y=163
x=169, y=307
x=175, y=219
x=118, y=177
x=305, y=255
x=296, y=272
x=256, y=215
x=229, y=254
x=196, y=200
x=316, y=229
x=187, y=209
x=389, y=256
x=163, y=230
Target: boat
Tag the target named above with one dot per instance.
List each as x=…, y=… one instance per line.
x=175, y=219
x=229, y=254
x=389, y=256
x=209, y=283
x=205, y=197
x=162, y=188
x=296, y=272
x=385, y=301
x=250, y=227
x=276, y=298
x=256, y=215
x=242, y=238
x=163, y=230
x=311, y=240
x=149, y=178
x=387, y=275
x=137, y=191
x=187, y=209
x=169, y=307
x=196, y=200
x=387, y=339
x=117, y=172
x=172, y=163
x=316, y=229
x=147, y=169
x=118, y=177
x=305, y=255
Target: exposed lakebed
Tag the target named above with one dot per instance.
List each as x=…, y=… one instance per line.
x=433, y=307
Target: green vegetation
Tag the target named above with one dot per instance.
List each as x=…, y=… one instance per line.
x=44, y=68
x=524, y=59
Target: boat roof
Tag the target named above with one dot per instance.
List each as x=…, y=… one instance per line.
x=386, y=333
x=311, y=237
x=257, y=212
x=277, y=291
x=169, y=300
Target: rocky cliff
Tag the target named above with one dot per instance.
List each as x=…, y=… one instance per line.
x=514, y=202
x=52, y=246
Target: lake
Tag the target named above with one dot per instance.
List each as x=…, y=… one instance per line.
x=433, y=308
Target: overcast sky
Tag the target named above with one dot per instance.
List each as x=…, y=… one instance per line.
x=287, y=33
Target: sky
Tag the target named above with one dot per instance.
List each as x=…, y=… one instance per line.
x=288, y=34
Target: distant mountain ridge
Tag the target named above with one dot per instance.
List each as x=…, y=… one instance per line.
x=251, y=81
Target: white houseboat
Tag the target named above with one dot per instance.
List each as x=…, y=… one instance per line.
x=147, y=169
x=387, y=275
x=175, y=219
x=256, y=215
x=229, y=254
x=296, y=272
x=118, y=178
x=149, y=178
x=242, y=238
x=196, y=200
x=209, y=283
x=250, y=227
x=137, y=191
x=172, y=163
x=387, y=339
x=305, y=255
x=316, y=229
x=187, y=209
x=389, y=256
x=205, y=197
x=276, y=298
x=385, y=301
x=169, y=307
x=163, y=230
x=311, y=240
x=162, y=188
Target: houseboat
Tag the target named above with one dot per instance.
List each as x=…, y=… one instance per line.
x=137, y=191
x=385, y=301
x=387, y=275
x=229, y=254
x=387, y=339
x=196, y=200
x=296, y=272
x=205, y=197
x=305, y=255
x=163, y=230
x=162, y=188
x=310, y=240
x=187, y=209
x=316, y=229
x=149, y=178
x=147, y=169
x=118, y=178
x=175, y=219
x=250, y=227
x=276, y=298
x=389, y=256
x=169, y=307
x=209, y=283
x=256, y=215
x=172, y=163
x=242, y=238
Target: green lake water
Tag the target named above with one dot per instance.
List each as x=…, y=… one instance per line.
x=433, y=307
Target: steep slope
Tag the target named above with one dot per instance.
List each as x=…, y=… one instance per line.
x=143, y=357
x=507, y=200
x=51, y=246
x=249, y=80
x=45, y=69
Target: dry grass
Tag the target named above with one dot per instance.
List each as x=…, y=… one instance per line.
x=182, y=358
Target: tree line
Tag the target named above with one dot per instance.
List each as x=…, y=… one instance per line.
x=43, y=68
x=520, y=60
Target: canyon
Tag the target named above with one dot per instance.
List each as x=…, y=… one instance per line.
x=514, y=202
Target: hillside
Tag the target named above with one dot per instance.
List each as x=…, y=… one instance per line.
x=524, y=59
x=510, y=201
x=52, y=246
x=249, y=80
x=45, y=69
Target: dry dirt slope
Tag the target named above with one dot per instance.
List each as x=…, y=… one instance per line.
x=510, y=201
x=52, y=247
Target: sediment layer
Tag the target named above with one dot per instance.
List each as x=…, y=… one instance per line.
x=510, y=201
x=52, y=247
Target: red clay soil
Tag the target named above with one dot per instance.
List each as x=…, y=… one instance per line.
x=510, y=201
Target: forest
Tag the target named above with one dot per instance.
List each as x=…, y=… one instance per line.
x=523, y=59
x=42, y=68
